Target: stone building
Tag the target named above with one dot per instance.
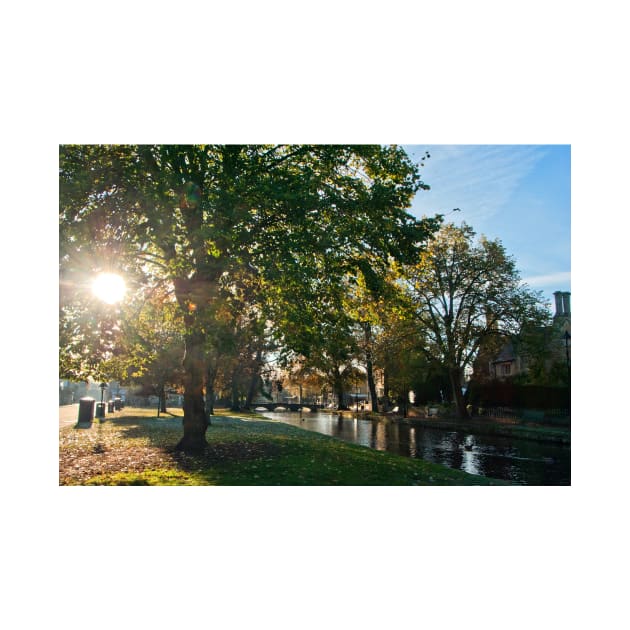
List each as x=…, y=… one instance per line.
x=547, y=351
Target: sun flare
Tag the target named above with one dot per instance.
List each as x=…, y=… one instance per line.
x=109, y=287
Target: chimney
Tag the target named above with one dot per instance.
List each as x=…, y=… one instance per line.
x=558, y=295
x=489, y=318
x=566, y=303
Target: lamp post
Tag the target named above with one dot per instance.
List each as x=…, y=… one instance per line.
x=100, y=408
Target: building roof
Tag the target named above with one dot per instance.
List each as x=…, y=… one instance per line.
x=507, y=353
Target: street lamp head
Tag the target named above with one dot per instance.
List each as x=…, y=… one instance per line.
x=103, y=387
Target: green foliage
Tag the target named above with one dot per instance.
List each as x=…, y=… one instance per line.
x=276, y=229
x=154, y=348
x=297, y=217
x=464, y=293
x=288, y=211
x=88, y=336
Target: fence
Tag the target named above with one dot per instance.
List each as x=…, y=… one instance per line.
x=558, y=416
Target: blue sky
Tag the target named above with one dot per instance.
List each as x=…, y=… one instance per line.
x=520, y=194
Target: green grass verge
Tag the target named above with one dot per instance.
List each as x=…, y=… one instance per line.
x=133, y=447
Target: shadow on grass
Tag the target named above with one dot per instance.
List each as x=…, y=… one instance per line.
x=254, y=452
x=247, y=452
x=230, y=442
x=139, y=449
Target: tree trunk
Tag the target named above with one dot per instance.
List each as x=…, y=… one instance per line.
x=371, y=384
x=386, y=405
x=209, y=402
x=162, y=398
x=458, y=397
x=251, y=391
x=211, y=373
x=402, y=400
x=236, y=404
x=367, y=329
x=338, y=386
x=195, y=420
x=255, y=380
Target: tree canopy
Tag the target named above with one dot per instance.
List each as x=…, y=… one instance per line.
x=463, y=293
x=292, y=221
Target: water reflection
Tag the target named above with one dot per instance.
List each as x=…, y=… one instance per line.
x=413, y=451
x=519, y=461
x=469, y=464
x=380, y=441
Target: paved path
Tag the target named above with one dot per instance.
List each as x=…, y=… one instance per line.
x=68, y=415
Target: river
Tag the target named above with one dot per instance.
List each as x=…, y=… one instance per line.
x=525, y=462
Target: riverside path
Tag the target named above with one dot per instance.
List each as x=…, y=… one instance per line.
x=68, y=415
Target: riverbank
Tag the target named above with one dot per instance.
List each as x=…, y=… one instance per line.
x=505, y=427
x=133, y=447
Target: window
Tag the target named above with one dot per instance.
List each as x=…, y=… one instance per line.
x=506, y=369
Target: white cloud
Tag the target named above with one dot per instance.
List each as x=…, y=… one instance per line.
x=560, y=279
x=478, y=179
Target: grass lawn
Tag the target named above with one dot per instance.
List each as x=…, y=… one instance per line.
x=133, y=447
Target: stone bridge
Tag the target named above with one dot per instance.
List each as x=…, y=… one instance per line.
x=286, y=406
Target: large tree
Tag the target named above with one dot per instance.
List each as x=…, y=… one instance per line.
x=465, y=292
x=195, y=216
